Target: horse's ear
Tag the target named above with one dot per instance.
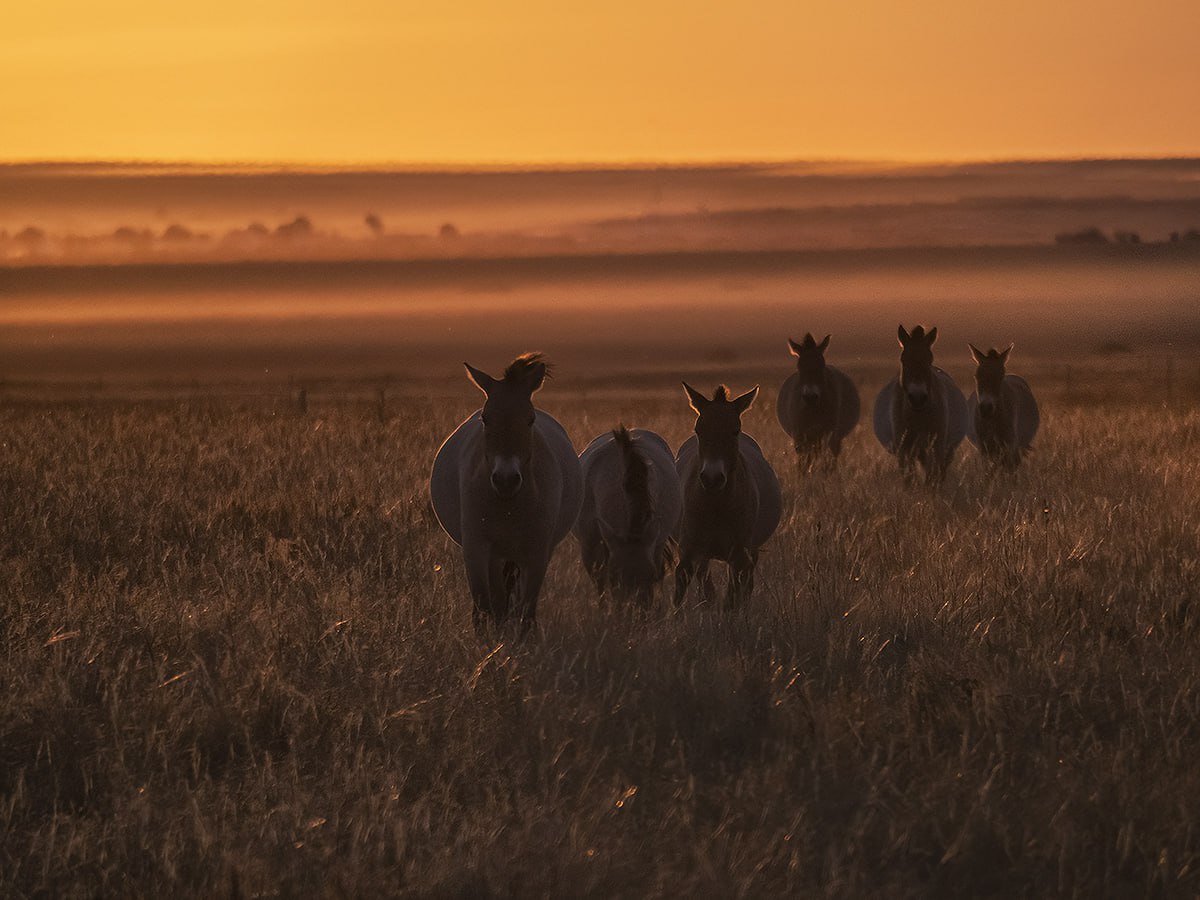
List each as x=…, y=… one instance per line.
x=742, y=403
x=793, y=347
x=1004, y=354
x=479, y=378
x=976, y=354
x=903, y=335
x=825, y=343
x=931, y=335
x=695, y=399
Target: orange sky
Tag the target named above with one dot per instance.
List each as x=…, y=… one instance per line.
x=547, y=80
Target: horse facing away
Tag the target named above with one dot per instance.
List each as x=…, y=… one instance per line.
x=506, y=486
x=1004, y=415
x=731, y=498
x=818, y=404
x=631, y=508
x=921, y=415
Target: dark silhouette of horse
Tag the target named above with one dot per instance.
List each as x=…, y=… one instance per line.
x=631, y=508
x=506, y=486
x=921, y=415
x=1003, y=413
x=818, y=404
x=731, y=497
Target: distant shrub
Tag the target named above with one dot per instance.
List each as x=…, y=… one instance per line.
x=374, y=224
x=177, y=233
x=1084, y=236
x=30, y=236
x=1113, y=347
x=1127, y=237
x=129, y=235
x=448, y=232
x=299, y=227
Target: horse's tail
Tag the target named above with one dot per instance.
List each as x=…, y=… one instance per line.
x=636, y=483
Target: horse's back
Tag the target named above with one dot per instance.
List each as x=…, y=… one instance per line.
x=957, y=420
x=601, y=463
x=849, y=406
x=445, y=481
x=669, y=493
x=563, y=452
x=973, y=418
x=770, y=495
x=881, y=419
x=685, y=457
x=445, y=490
x=1029, y=417
x=785, y=404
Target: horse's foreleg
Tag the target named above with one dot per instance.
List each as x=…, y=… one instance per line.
x=830, y=459
x=741, y=576
x=529, y=586
x=479, y=565
x=595, y=561
x=708, y=589
x=683, y=575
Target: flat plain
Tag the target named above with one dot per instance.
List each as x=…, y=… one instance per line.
x=238, y=659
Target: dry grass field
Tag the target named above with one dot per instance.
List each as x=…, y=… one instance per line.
x=238, y=661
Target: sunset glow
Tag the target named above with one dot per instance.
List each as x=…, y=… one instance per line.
x=372, y=81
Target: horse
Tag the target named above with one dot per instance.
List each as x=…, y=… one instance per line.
x=506, y=486
x=818, y=405
x=1004, y=415
x=631, y=508
x=921, y=415
x=731, y=498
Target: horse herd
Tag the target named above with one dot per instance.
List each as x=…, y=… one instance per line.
x=508, y=488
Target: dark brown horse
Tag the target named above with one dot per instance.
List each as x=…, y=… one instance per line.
x=921, y=415
x=731, y=497
x=1004, y=415
x=506, y=486
x=818, y=405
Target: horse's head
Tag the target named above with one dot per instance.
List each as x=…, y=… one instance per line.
x=989, y=376
x=633, y=568
x=508, y=417
x=916, y=364
x=810, y=365
x=718, y=425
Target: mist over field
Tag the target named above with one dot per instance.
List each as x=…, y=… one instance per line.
x=107, y=213
x=153, y=272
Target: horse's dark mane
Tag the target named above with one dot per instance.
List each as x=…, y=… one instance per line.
x=524, y=364
x=636, y=484
x=721, y=393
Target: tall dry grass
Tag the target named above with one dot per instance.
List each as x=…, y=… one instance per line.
x=237, y=660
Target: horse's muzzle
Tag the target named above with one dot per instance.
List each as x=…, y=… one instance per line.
x=986, y=408
x=506, y=484
x=713, y=481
